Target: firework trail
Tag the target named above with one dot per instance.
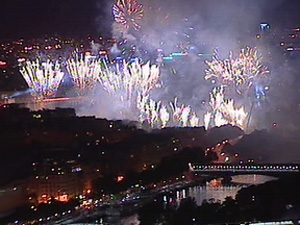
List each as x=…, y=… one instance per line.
x=164, y=116
x=43, y=78
x=224, y=111
x=149, y=110
x=128, y=80
x=207, y=118
x=159, y=115
x=84, y=72
x=194, y=120
x=128, y=13
x=182, y=115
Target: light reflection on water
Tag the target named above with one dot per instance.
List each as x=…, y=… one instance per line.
x=201, y=193
x=214, y=191
x=211, y=192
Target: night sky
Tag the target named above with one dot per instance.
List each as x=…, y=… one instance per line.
x=31, y=18
x=219, y=22
x=225, y=25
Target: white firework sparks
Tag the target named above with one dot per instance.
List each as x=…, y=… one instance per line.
x=43, y=78
x=224, y=111
x=84, y=72
x=127, y=80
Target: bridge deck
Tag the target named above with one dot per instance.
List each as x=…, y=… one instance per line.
x=245, y=168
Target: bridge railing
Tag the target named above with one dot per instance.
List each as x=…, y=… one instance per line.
x=245, y=167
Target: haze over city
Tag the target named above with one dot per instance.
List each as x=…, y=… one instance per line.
x=199, y=31
x=86, y=77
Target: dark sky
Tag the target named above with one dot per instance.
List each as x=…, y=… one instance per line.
x=36, y=17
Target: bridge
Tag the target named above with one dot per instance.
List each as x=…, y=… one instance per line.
x=245, y=168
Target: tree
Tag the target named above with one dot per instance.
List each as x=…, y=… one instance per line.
x=150, y=213
x=229, y=211
x=186, y=212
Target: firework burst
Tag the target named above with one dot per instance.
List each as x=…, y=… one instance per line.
x=239, y=72
x=128, y=13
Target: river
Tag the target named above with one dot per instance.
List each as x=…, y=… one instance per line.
x=212, y=191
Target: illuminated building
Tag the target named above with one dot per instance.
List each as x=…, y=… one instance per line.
x=61, y=187
x=56, y=179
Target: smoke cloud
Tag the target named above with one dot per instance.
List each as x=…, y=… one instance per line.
x=200, y=27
